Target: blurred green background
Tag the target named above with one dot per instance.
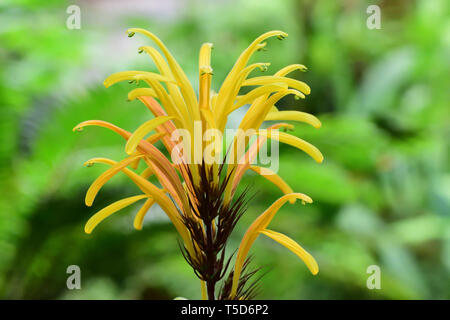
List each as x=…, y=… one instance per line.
x=381, y=197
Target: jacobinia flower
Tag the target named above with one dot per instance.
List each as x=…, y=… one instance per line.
x=199, y=196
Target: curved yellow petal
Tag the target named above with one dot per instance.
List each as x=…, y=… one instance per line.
x=296, y=84
x=138, y=92
x=243, y=74
x=158, y=195
x=243, y=59
x=290, y=68
x=142, y=131
x=205, y=74
x=167, y=127
x=105, y=176
x=228, y=91
x=209, y=117
x=135, y=164
x=155, y=137
x=274, y=178
x=147, y=173
x=251, y=154
x=158, y=59
x=151, y=190
x=139, y=219
x=164, y=69
x=166, y=173
x=109, y=210
x=168, y=207
x=132, y=175
x=134, y=75
x=152, y=139
x=307, y=258
x=110, y=162
x=294, y=116
x=254, y=94
x=226, y=101
x=170, y=105
x=261, y=106
x=253, y=231
x=293, y=141
x=273, y=109
x=179, y=75
x=100, y=123
x=144, y=146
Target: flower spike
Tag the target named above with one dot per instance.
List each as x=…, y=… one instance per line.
x=196, y=183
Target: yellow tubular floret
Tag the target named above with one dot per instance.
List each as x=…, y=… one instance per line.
x=147, y=173
x=157, y=91
x=167, y=206
x=164, y=69
x=293, y=246
x=228, y=100
x=245, y=57
x=254, y=46
x=134, y=75
x=157, y=194
x=139, y=219
x=260, y=108
x=209, y=117
x=294, y=116
x=293, y=141
x=155, y=137
x=254, y=94
x=110, y=162
x=296, y=84
x=104, y=177
x=253, y=231
x=253, y=120
x=262, y=66
x=142, y=131
x=179, y=75
x=144, y=147
x=109, y=210
x=100, y=123
x=168, y=183
x=290, y=68
x=166, y=173
x=169, y=104
x=135, y=164
x=168, y=127
x=132, y=175
x=232, y=78
x=250, y=155
x=152, y=139
x=205, y=73
x=213, y=100
x=273, y=109
x=274, y=178
x=135, y=93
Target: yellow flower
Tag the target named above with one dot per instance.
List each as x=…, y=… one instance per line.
x=180, y=109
